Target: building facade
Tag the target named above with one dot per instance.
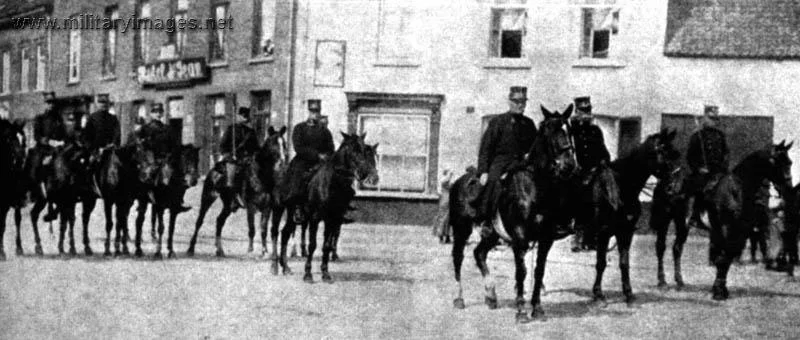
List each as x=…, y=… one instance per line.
x=200, y=74
x=422, y=77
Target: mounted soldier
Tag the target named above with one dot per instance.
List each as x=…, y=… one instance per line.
x=238, y=143
x=156, y=137
x=708, y=160
x=504, y=144
x=592, y=156
x=49, y=132
x=102, y=130
x=313, y=144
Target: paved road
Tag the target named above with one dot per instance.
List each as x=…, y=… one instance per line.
x=392, y=282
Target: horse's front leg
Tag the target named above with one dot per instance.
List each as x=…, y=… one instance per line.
x=660, y=223
x=3, y=212
x=286, y=234
x=88, y=205
x=158, y=211
x=481, y=252
x=681, y=234
x=462, y=229
x=543, y=249
x=600, y=267
x=251, y=227
x=312, y=246
x=520, y=247
x=624, y=240
x=328, y=248
x=173, y=217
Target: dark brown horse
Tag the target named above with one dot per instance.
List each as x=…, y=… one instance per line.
x=260, y=175
x=619, y=219
x=13, y=180
x=70, y=184
x=530, y=208
x=123, y=171
x=330, y=192
x=728, y=201
x=177, y=174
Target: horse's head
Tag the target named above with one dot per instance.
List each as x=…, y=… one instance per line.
x=659, y=154
x=780, y=166
x=554, y=150
x=359, y=157
x=189, y=163
x=13, y=142
x=276, y=147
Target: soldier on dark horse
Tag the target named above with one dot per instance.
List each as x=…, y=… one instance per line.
x=49, y=132
x=593, y=157
x=708, y=160
x=504, y=145
x=238, y=142
x=102, y=131
x=156, y=137
x=313, y=144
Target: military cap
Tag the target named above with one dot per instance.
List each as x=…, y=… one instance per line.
x=711, y=110
x=244, y=112
x=583, y=104
x=49, y=96
x=157, y=107
x=314, y=105
x=518, y=92
x=103, y=98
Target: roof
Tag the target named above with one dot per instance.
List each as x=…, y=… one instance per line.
x=761, y=29
x=10, y=8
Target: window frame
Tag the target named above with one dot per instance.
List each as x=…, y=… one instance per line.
x=77, y=60
x=213, y=35
x=496, y=15
x=5, y=72
x=585, y=56
x=24, y=68
x=256, y=53
x=41, y=67
x=109, y=58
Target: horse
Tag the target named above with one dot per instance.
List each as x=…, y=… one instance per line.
x=179, y=172
x=329, y=195
x=260, y=172
x=12, y=175
x=728, y=203
x=123, y=170
x=671, y=204
x=70, y=184
x=530, y=207
x=630, y=173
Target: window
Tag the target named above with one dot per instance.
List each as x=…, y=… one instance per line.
x=74, y=56
x=600, y=26
x=396, y=33
x=180, y=121
x=508, y=33
x=6, y=75
x=218, y=119
x=110, y=43
x=41, y=63
x=263, y=28
x=178, y=36
x=142, y=37
x=217, y=46
x=25, y=69
x=5, y=113
x=261, y=105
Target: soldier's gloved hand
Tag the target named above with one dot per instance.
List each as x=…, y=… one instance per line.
x=55, y=143
x=484, y=179
x=323, y=157
x=703, y=170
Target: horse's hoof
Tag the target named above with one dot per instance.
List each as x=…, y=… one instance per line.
x=718, y=296
x=39, y=250
x=117, y=253
x=126, y=252
x=491, y=303
x=334, y=257
x=662, y=285
x=326, y=277
x=522, y=317
x=138, y=253
x=308, y=278
x=157, y=256
x=88, y=251
x=72, y=251
x=105, y=253
x=287, y=270
x=220, y=253
x=190, y=252
x=250, y=249
x=294, y=253
x=630, y=300
x=599, y=301
x=538, y=314
x=303, y=253
x=458, y=303
x=274, y=268
x=725, y=293
x=171, y=254
x=2, y=256
x=679, y=284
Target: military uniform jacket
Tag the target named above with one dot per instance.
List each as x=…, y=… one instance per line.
x=310, y=141
x=590, y=147
x=506, y=140
x=246, y=141
x=156, y=136
x=49, y=125
x=712, y=154
x=102, y=128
